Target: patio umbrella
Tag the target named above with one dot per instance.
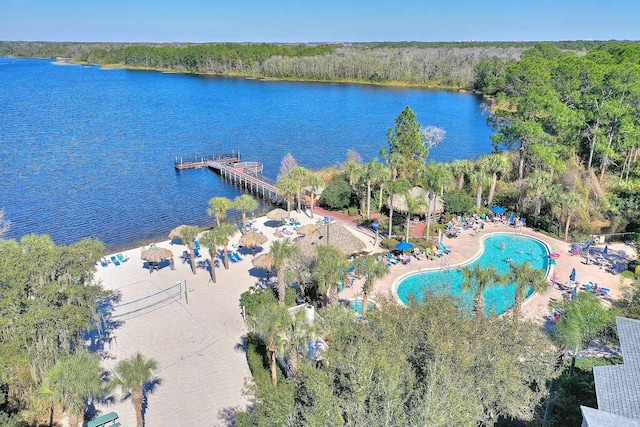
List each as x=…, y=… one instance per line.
x=572, y=276
x=606, y=250
x=498, y=210
x=155, y=254
x=253, y=239
x=264, y=261
x=278, y=214
x=404, y=246
x=307, y=229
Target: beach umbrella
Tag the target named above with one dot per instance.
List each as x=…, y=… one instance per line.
x=606, y=250
x=253, y=239
x=175, y=233
x=307, y=229
x=498, y=210
x=404, y=246
x=572, y=276
x=264, y=261
x=155, y=254
x=332, y=234
x=278, y=214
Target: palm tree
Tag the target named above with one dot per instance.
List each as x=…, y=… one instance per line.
x=189, y=234
x=378, y=175
x=479, y=181
x=212, y=240
x=245, y=203
x=299, y=176
x=314, y=183
x=282, y=250
x=400, y=186
x=357, y=177
x=525, y=276
x=269, y=322
x=435, y=177
x=134, y=375
x=477, y=280
x=71, y=382
x=495, y=164
x=582, y=320
x=286, y=187
x=415, y=205
x=537, y=184
x=460, y=169
x=224, y=233
x=218, y=207
x=330, y=269
x=372, y=270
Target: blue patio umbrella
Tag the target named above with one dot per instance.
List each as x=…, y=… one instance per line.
x=404, y=246
x=498, y=210
x=572, y=276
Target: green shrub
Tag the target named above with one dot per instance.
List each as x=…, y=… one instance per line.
x=458, y=202
x=258, y=361
x=633, y=264
x=353, y=211
x=389, y=243
x=337, y=195
x=255, y=297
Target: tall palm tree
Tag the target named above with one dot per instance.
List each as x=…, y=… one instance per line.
x=71, y=382
x=357, y=176
x=525, y=276
x=282, y=250
x=378, y=175
x=224, y=233
x=460, y=169
x=286, y=187
x=269, y=322
x=189, y=234
x=330, y=269
x=479, y=181
x=496, y=165
x=245, y=203
x=314, y=183
x=537, y=184
x=372, y=270
x=212, y=240
x=401, y=186
x=477, y=280
x=134, y=375
x=435, y=177
x=299, y=175
x=218, y=207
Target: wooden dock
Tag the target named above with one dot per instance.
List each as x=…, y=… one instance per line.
x=201, y=162
x=247, y=175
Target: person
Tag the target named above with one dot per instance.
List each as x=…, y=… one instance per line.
x=509, y=260
x=556, y=316
x=502, y=245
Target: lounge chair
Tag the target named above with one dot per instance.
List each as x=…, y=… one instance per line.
x=443, y=248
x=231, y=257
x=196, y=252
x=122, y=258
x=104, y=262
x=115, y=260
x=237, y=256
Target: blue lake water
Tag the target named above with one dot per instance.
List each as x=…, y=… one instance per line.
x=88, y=152
x=497, y=248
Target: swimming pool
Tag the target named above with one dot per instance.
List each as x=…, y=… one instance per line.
x=497, y=248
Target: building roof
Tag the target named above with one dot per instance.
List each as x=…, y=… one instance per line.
x=618, y=387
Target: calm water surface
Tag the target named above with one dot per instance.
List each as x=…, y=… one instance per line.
x=87, y=152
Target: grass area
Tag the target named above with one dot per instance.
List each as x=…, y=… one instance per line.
x=588, y=363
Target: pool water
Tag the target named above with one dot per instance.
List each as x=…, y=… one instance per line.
x=497, y=248
x=356, y=305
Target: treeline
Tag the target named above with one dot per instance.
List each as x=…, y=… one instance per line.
x=573, y=120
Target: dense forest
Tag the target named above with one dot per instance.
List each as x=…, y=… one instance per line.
x=450, y=65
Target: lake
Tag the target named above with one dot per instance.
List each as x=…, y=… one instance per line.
x=88, y=152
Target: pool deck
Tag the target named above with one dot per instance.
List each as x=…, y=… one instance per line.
x=468, y=246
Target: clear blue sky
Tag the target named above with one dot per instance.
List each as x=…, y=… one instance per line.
x=320, y=20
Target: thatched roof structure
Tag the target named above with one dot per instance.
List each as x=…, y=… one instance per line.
x=264, y=261
x=334, y=234
x=155, y=254
x=307, y=229
x=400, y=201
x=278, y=214
x=253, y=239
x=175, y=233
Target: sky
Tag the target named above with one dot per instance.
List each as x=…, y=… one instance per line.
x=318, y=21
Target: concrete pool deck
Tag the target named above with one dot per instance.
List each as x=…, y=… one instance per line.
x=536, y=308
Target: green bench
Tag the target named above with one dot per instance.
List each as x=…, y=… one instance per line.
x=104, y=420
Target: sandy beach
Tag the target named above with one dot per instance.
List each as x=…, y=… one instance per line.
x=197, y=339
